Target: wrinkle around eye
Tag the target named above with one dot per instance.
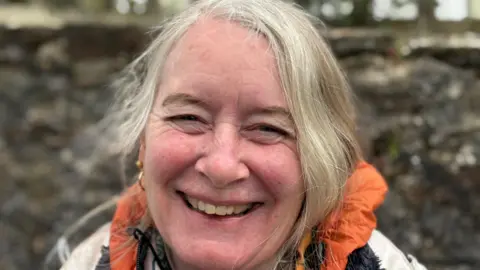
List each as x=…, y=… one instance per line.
x=187, y=123
x=271, y=135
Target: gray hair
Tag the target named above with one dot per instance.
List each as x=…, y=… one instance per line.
x=315, y=88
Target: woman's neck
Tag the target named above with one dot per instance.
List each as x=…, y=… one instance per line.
x=178, y=264
x=173, y=261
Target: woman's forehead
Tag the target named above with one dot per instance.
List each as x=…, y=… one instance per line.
x=222, y=39
x=221, y=55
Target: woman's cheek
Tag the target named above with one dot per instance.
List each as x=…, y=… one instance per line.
x=170, y=151
x=280, y=169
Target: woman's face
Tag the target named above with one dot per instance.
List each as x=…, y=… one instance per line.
x=222, y=173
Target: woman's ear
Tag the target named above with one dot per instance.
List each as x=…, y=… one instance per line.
x=141, y=150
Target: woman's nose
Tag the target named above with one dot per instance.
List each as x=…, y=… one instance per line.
x=221, y=162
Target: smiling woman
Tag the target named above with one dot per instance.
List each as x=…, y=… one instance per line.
x=247, y=158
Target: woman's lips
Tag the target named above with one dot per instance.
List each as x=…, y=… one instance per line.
x=218, y=210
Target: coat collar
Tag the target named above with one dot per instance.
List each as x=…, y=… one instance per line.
x=350, y=227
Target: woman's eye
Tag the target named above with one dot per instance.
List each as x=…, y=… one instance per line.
x=273, y=130
x=185, y=117
x=188, y=123
x=266, y=134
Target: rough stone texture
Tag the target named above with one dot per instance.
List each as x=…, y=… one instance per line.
x=419, y=118
x=53, y=88
x=425, y=136
x=349, y=42
x=458, y=50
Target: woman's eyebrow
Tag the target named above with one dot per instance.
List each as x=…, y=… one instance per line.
x=181, y=99
x=275, y=111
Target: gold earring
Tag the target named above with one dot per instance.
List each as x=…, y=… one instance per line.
x=140, y=175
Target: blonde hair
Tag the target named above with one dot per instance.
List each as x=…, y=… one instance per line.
x=315, y=88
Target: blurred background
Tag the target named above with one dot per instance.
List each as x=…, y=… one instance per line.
x=413, y=64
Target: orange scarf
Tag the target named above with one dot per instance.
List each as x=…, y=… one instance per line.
x=344, y=231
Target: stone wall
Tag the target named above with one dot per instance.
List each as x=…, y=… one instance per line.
x=419, y=119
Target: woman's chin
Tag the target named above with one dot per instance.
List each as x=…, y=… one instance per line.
x=210, y=255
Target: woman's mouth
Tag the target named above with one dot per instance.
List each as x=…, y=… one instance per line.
x=218, y=210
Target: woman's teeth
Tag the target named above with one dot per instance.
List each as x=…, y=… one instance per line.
x=220, y=210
